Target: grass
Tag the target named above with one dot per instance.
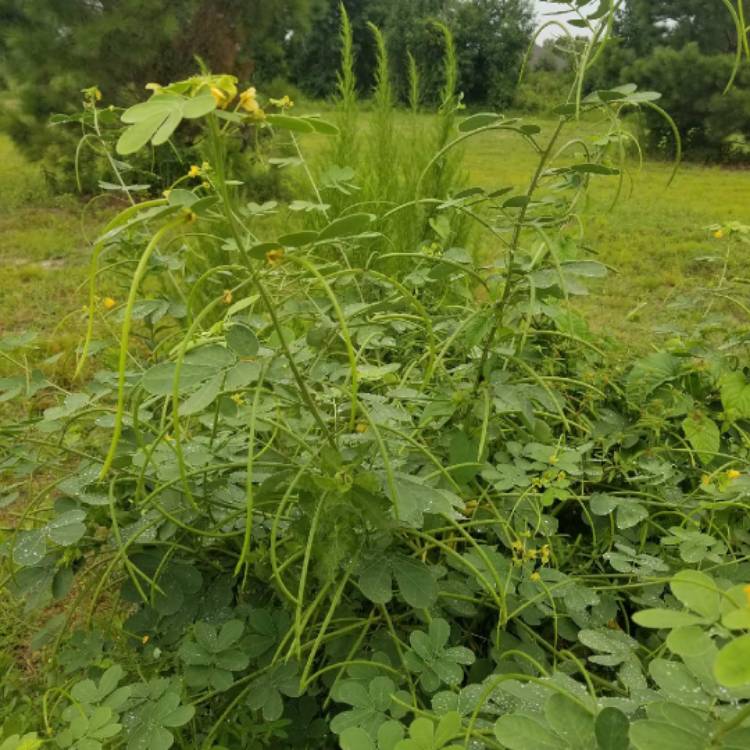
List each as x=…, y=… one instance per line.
x=654, y=239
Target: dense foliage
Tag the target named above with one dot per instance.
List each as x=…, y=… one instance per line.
x=49, y=50
x=325, y=476
x=491, y=37
x=52, y=50
x=690, y=53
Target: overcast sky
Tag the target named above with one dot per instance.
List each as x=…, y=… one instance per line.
x=544, y=7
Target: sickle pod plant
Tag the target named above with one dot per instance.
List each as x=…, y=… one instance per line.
x=326, y=478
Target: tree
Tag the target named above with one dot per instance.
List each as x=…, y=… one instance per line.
x=692, y=85
x=54, y=48
x=647, y=24
x=491, y=38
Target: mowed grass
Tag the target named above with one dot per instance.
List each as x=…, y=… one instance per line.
x=43, y=252
x=654, y=238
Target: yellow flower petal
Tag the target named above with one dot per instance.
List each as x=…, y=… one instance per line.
x=274, y=257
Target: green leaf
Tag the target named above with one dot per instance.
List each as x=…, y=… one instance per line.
x=321, y=126
x=166, y=129
x=477, y=121
x=739, y=739
x=298, y=239
x=690, y=641
x=519, y=732
x=414, y=499
x=448, y=728
x=159, y=104
x=229, y=634
x=182, y=198
x=657, y=735
x=569, y=720
x=703, y=435
x=665, y=618
x=649, y=373
x=355, y=738
x=137, y=136
x=347, y=226
x=735, y=395
x=415, y=582
x=30, y=548
x=242, y=340
x=697, y=592
x=389, y=735
x=214, y=356
x=376, y=580
x=199, y=106
x=203, y=397
x=286, y=122
x=612, y=730
x=29, y=741
x=732, y=667
x=67, y=528
x=158, y=380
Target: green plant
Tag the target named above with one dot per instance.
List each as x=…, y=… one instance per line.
x=412, y=504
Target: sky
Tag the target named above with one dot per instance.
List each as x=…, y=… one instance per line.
x=544, y=7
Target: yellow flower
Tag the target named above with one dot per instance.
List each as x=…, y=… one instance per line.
x=705, y=480
x=221, y=98
x=249, y=102
x=237, y=398
x=719, y=234
x=545, y=553
x=361, y=427
x=747, y=594
x=275, y=257
x=535, y=577
x=248, y=98
x=228, y=297
x=195, y=171
x=553, y=459
x=733, y=474
x=190, y=216
x=92, y=94
x=531, y=554
x=109, y=303
x=284, y=103
x=145, y=639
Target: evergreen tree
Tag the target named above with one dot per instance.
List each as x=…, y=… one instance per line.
x=54, y=48
x=491, y=38
x=647, y=24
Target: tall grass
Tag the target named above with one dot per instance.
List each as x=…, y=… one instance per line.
x=391, y=168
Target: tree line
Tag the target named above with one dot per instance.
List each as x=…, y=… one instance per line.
x=50, y=50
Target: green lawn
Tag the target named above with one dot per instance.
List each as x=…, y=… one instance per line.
x=654, y=238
